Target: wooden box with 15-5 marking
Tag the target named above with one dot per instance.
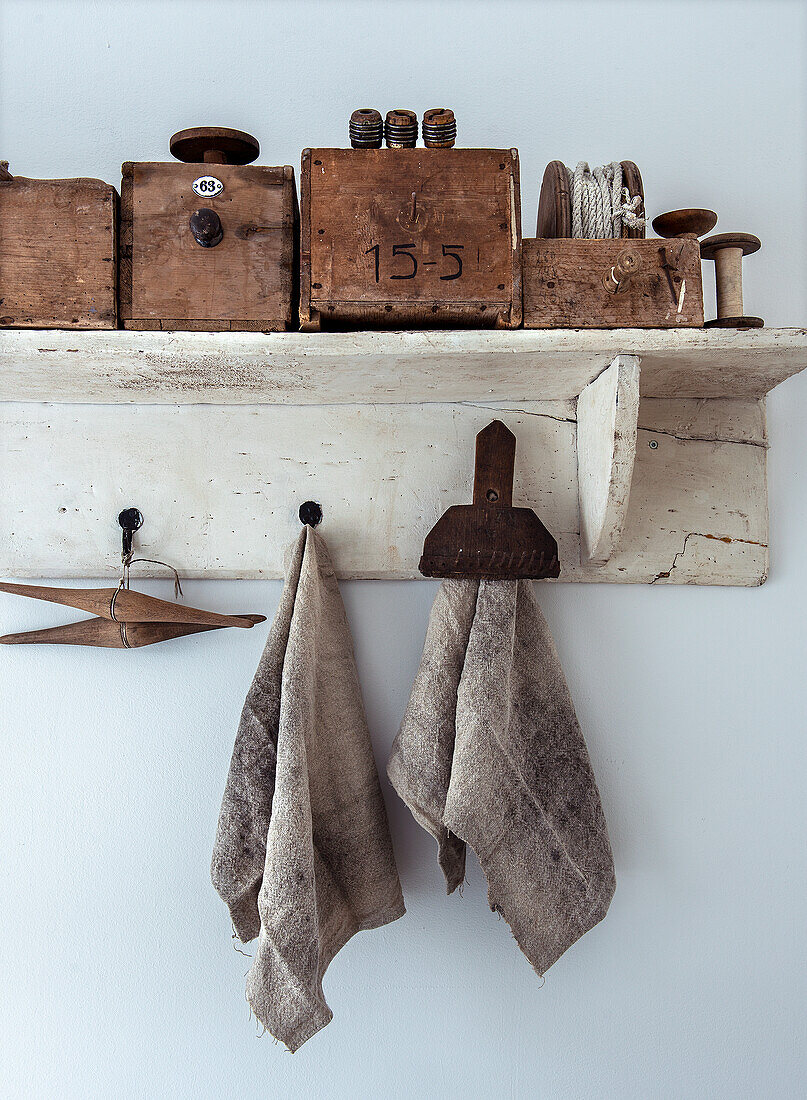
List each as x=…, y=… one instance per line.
x=410, y=238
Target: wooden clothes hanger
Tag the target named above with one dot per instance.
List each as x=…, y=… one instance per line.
x=125, y=619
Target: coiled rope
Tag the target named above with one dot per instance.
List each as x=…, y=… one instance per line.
x=601, y=204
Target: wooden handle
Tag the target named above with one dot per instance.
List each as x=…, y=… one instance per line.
x=494, y=466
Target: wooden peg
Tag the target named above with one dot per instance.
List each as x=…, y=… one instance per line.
x=619, y=274
x=727, y=251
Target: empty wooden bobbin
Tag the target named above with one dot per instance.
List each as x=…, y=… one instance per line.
x=366, y=129
x=727, y=251
x=401, y=129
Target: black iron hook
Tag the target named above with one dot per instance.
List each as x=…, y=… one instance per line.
x=131, y=520
x=310, y=513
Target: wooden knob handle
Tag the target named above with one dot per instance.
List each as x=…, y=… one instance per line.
x=206, y=227
x=214, y=145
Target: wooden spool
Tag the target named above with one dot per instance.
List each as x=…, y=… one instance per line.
x=214, y=145
x=727, y=251
x=555, y=201
x=689, y=223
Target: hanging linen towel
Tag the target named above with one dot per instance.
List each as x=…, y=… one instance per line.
x=490, y=754
x=303, y=856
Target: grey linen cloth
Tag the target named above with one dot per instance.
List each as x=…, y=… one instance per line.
x=303, y=856
x=490, y=754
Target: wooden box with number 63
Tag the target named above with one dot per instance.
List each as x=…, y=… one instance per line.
x=410, y=238
x=209, y=243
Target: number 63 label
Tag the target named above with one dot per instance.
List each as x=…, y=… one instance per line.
x=207, y=186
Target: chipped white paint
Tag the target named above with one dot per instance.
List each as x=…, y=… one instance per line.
x=607, y=415
x=220, y=485
x=342, y=368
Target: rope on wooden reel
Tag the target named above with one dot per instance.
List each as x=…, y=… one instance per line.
x=601, y=203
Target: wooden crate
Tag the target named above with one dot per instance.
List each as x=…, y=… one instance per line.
x=58, y=253
x=563, y=284
x=410, y=238
x=247, y=282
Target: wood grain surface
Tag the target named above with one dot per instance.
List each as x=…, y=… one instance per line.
x=58, y=254
x=563, y=284
x=246, y=282
x=410, y=237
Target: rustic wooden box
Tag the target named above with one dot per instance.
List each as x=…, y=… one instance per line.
x=247, y=281
x=58, y=253
x=563, y=284
x=410, y=238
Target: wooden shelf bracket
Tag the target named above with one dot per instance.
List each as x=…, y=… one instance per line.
x=607, y=419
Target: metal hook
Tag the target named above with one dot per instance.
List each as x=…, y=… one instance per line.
x=131, y=520
x=310, y=513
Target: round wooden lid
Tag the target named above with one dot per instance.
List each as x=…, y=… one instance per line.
x=746, y=241
x=685, y=223
x=235, y=146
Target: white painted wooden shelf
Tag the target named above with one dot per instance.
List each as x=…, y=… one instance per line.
x=643, y=451
x=389, y=367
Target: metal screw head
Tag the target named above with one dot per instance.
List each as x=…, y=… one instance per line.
x=653, y=444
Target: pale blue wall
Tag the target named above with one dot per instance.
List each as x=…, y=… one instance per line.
x=117, y=974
